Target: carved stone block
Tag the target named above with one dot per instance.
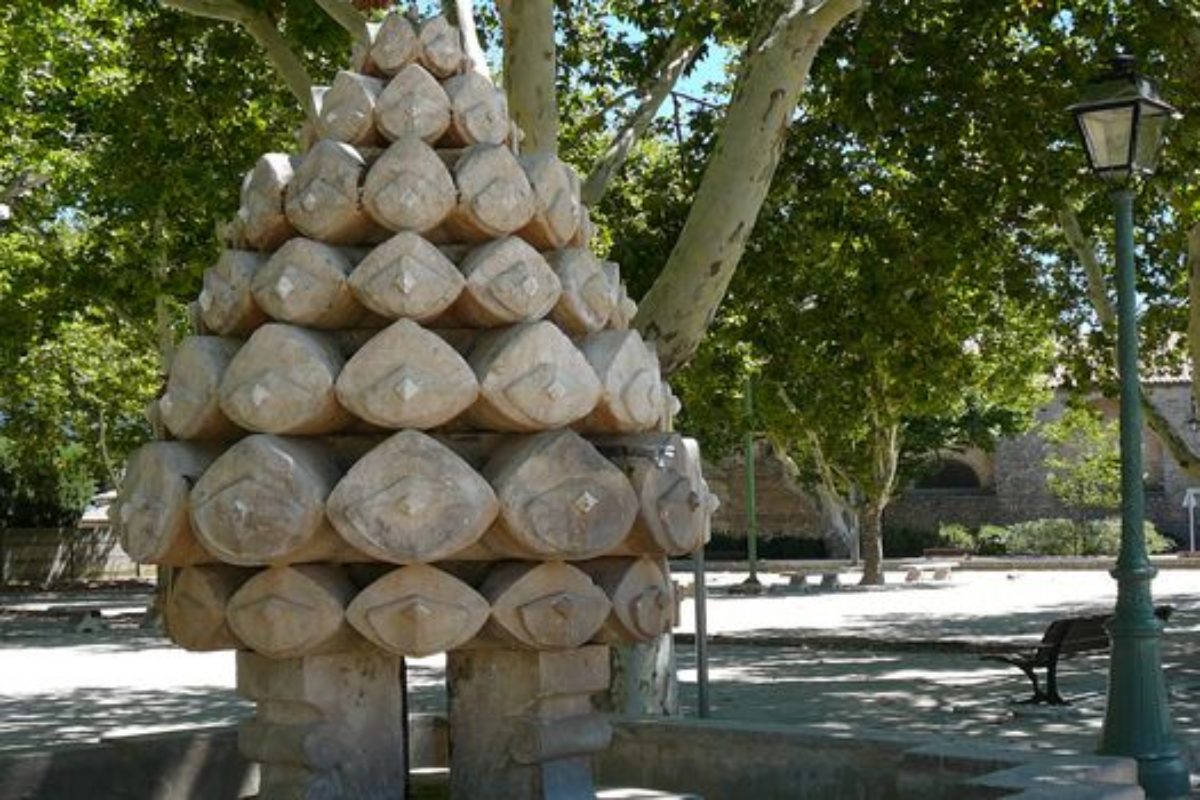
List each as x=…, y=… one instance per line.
x=631, y=397
x=265, y=225
x=327, y=726
x=407, y=377
x=263, y=502
x=348, y=109
x=441, y=47
x=322, y=198
x=288, y=612
x=411, y=499
x=395, y=44
x=547, y=606
x=478, y=111
x=151, y=512
x=196, y=603
x=674, y=502
x=409, y=187
x=558, y=207
x=559, y=498
x=282, y=381
x=506, y=281
x=305, y=283
x=531, y=377
x=588, y=297
x=641, y=594
x=190, y=408
x=413, y=104
x=494, y=195
x=418, y=611
x=226, y=303
x=406, y=277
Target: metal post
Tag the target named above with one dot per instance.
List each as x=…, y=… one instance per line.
x=751, y=494
x=1137, y=720
x=700, y=599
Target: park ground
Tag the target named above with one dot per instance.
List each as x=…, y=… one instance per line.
x=898, y=657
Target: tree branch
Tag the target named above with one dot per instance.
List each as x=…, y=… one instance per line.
x=1085, y=251
x=530, y=57
x=264, y=31
x=680, y=55
x=465, y=11
x=347, y=16
x=684, y=299
x=1156, y=420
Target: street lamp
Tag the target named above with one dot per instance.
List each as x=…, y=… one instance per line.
x=1123, y=120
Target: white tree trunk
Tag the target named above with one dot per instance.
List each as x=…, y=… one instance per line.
x=840, y=527
x=529, y=71
x=684, y=299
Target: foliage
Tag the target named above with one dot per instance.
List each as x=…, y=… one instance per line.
x=1084, y=464
x=134, y=124
x=1048, y=537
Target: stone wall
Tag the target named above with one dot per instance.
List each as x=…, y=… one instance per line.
x=1012, y=484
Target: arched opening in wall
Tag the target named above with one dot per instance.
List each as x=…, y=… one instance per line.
x=950, y=475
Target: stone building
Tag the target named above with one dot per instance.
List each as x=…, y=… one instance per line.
x=972, y=488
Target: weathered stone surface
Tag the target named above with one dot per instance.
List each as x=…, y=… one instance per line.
x=531, y=377
x=522, y=722
x=588, y=297
x=506, y=281
x=227, y=306
x=151, y=512
x=478, y=111
x=494, y=195
x=190, y=408
x=409, y=187
x=418, y=611
x=305, y=283
x=441, y=47
x=413, y=105
x=196, y=603
x=327, y=726
x=546, y=606
x=322, y=198
x=624, y=309
x=558, y=207
x=263, y=502
x=395, y=44
x=631, y=397
x=288, y=612
x=559, y=498
x=282, y=381
x=406, y=277
x=675, y=505
x=411, y=499
x=348, y=109
x=265, y=225
x=641, y=594
x=407, y=377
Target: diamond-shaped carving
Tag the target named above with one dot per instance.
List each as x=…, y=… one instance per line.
x=418, y=610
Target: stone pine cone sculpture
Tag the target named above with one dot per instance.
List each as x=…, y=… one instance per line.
x=414, y=416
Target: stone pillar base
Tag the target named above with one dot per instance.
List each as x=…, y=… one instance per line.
x=522, y=725
x=327, y=727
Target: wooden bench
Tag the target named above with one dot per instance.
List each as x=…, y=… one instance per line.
x=914, y=571
x=1067, y=636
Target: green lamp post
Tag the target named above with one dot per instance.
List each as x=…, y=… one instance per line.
x=1123, y=121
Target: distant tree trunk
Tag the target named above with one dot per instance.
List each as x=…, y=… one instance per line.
x=530, y=63
x=684, y=298
x=872, y=543
x=885, y=459
x=839, y=524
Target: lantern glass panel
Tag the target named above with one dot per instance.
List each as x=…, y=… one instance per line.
x=1109, y=133
x=1153, y=122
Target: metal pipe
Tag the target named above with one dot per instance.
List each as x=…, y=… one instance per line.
x=700, y=600
x=751, y=493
